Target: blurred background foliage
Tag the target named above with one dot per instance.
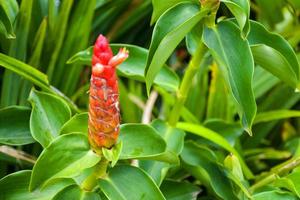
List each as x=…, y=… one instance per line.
x=46, y=33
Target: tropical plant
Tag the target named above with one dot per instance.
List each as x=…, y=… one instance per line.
x=208, y=104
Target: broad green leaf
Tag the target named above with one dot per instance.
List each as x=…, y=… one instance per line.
x=65, y=157
x=74, y=192
x=48, y=115
x=169, y=30
x=143, y=142
x=234, y=55
x=173, y=190
x=15, y=187
x=272, y=52
x=241, y=11
x=134, y=66
x=202, y=164
x=174, y=139
x=14, y=126
x=126, y=182
x=274, y=195
x=160, y=7
x=24, y=70
x=215, y=138
x=8, y=12
x=275, y=115
x=78, y=123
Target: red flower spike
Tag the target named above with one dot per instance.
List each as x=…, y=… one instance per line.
x=104, y=113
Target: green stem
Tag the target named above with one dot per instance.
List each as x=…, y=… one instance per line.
x=275, y=172
x=91, y=181
x=186, y=83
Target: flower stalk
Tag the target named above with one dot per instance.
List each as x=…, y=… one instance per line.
x=186, y=83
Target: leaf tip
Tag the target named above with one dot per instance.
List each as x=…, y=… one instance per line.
x=249, y=131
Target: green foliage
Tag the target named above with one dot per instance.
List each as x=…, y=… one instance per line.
x=127, y=182
x=14, y=127
x=209, y=73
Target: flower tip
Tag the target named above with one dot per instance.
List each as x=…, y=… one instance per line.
x=120, y=57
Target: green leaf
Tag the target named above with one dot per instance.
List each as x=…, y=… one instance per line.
x=15, y=187
x=143, y=142
x=113, y=154
x=174, y=139
x=169, y=30
x=201, y=163
x=65, y=157
x=215, y=138
x=126, y=182
x=74, y=192
x=234, y=55
x=274, y=195
x=83, y=57
x=8, y=12
x=272, y=52
x=173, y=190
x=48, y=115
x=14, y=126
x=24, y=70
x=134, y=66
x=275, y=115
x=160, y=7
x=78, y=123
x=241, y=10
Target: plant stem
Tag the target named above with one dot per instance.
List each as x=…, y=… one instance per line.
x=91, y=181
x=186, y=83
x=275, y=172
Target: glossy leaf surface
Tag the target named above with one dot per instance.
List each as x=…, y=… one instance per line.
x=14, y=126
x=234, y=55
x=126, y=182
x=70, y=154
x=181, y=19
x=48, y=115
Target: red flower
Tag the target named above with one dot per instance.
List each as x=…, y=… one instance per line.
x=104, y=113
